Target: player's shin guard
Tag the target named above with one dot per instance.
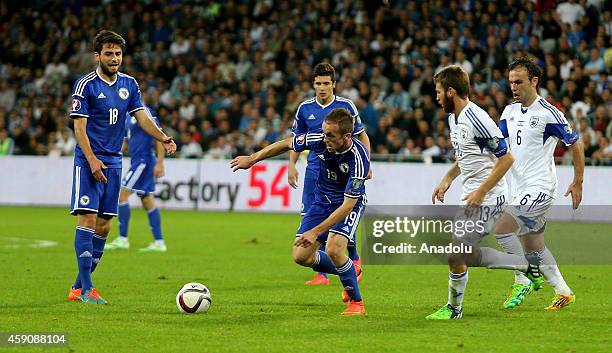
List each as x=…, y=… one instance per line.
x=353, y=254
x=456, y=288
x=323, y=263
x=512, y=245
x=550, y=270
x=83, y=246
x=124, y=218
x=155, y=223
x=322, y=248
x=98, y=250
x=348, y=277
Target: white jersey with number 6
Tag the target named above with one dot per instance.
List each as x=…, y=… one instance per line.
x=532, y=135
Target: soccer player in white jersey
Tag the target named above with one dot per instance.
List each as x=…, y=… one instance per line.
x=533, y=127
x=482, y=159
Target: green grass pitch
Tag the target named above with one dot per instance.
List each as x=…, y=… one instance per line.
x=260, y=302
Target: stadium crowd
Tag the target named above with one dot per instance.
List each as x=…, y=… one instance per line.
x=226, y=78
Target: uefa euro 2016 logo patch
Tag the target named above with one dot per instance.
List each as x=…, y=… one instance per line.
x=300, y=139
x=76, y=105
x=124, y=93
x=84, y=200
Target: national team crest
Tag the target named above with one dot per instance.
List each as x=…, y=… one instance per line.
x=124, y=93
x=357, y=183
x=344, y=168
x=533, y=121
x=84, y=200
x=76, y=105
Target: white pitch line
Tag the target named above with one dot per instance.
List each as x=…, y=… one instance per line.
x=29, y=243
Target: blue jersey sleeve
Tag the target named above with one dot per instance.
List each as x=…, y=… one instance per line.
x=496, y=145
x=561, y=131
x=135, y=100
x=359, y=168
x=299, y=124
x=358, y=127
x=308, y=141
x=80, y=105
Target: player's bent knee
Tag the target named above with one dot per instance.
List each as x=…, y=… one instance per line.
x=506, y=224
x=303, y=257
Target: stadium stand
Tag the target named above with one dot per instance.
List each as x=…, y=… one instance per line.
x=226, y=77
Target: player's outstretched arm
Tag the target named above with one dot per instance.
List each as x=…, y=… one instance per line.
x=445, y=183
x=309, y=237
x=575, y=188
x=96, y=165
x=149, y=126
x=500, y=169
x=275, y=149
x=292, y=175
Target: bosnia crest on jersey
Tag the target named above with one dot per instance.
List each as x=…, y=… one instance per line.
x=124, y=93
x=344, y=168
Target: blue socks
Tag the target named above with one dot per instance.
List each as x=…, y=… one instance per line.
x=97, y=251
x=348, y=277
x=353, y=254
x=124, y=219
x=322, y=248
x=83, y=246
x=323, y=263
x=154, y=223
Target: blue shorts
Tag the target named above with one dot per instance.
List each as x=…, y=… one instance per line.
x=94, y=196
x=319, y=211
x=140, y=178
x=310, y=181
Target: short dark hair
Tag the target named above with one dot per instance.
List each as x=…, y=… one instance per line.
x=106, y=36
x=324, y=69
x=533, y=70
x=454, y=76
x=343, y=118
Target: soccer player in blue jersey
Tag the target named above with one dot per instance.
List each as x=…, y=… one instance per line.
x=309, y=119
x=100, y=102
x=147, y=163
x=338, y=203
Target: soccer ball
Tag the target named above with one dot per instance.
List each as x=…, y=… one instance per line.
x=193, y=298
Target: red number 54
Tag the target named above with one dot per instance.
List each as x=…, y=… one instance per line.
x=277, y=190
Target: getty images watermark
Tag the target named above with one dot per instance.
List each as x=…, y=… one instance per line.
x=411, y=228
x=395, y=235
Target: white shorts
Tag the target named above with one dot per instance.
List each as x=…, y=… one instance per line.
x=529, y=209
x=483, y=218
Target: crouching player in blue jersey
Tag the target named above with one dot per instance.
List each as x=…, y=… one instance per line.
x=308, y=119
x=100, y=102
x=339, y=200
x=145, y=166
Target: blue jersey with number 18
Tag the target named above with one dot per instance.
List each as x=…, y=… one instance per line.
x=105, y=106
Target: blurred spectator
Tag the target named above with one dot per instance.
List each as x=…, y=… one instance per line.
x=6, y=143
x=228, y=76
